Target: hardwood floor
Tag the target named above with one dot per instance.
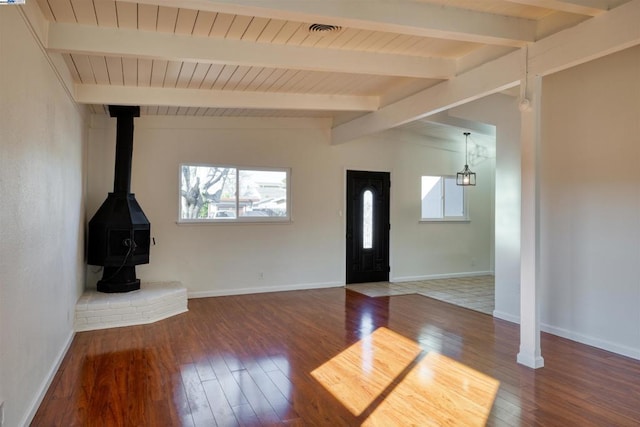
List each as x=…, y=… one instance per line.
x=267, y=360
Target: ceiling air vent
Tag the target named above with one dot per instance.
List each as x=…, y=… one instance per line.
x=324, y=28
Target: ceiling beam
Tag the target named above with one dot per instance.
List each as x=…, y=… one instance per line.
x=492, y=77
x=173, y=97
x=91, y=40
x=444, y=119
x=480, y=56
x=580, y=7
x=616, y=30
x=410, y=18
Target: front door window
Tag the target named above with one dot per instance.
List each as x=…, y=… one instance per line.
x=367, y=220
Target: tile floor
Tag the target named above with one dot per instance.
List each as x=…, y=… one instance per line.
x=475, y=293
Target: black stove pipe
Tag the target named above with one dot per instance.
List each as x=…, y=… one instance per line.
x=124, y=146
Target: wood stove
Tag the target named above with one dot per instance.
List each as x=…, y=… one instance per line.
x=119, y=232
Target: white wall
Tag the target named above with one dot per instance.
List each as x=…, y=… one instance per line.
x=217, y=259
x=590, y=203
x=41, y=218
x=502, y=111
x=424, y=250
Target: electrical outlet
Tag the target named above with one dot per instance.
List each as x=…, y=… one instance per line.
x=260, y=276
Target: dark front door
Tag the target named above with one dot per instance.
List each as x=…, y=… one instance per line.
x=367, y=226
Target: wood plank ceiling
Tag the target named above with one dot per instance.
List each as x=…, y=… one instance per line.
x=260, y=58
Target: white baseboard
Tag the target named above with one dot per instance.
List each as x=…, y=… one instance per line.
x=44, y=387
x=440, y=276
x=506, y=316
x=623, y=350
x=260, y=290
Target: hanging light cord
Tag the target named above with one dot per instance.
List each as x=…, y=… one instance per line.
x=466, y=146
x=525, y=103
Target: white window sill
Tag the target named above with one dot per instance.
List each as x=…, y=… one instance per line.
x=429, y=221
x=234, y=222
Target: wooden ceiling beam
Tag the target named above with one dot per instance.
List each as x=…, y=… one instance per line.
x=173, y=97
x=484, y=80
x=410, y=18
x=616, y=30
x=580, y=7
x=119, y=42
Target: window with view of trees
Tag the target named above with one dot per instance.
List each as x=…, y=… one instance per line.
x=228, y=193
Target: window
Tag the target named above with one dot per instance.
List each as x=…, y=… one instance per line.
x=233, y=194
x=442, y=199
x=367, y=220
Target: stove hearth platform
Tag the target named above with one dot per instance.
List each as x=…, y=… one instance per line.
x=152, y=302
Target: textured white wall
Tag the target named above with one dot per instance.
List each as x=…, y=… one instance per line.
x=41, y=218
x=590, y=203
x=309, y=252
x=502, y=111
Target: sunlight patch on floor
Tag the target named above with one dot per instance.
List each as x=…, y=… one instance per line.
x=438, y=391
x=362, y=372
x=387, y=379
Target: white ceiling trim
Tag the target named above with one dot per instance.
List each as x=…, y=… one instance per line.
x=411, y=18
x=173, y=97
x=119, y=42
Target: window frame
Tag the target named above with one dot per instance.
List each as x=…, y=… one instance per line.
x=465, y=203
x=237, y=219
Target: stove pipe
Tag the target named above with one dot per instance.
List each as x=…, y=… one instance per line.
x=119, y=232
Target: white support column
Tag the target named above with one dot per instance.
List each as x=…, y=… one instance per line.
x=530, y=354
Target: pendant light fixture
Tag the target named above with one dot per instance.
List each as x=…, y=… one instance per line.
x=465, y=176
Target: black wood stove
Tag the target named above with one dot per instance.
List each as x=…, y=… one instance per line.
x=119, y=232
